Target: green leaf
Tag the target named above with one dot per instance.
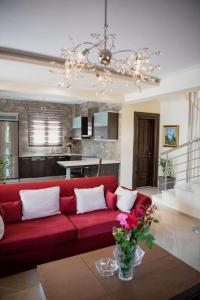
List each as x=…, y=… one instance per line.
x=149, y=240
x=146, y=229
x=140, y=237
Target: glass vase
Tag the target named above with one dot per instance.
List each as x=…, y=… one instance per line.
x=125, y=260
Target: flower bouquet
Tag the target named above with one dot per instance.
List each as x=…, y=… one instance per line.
x=135, y=227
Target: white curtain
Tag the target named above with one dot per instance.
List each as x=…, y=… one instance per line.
x=194, y=136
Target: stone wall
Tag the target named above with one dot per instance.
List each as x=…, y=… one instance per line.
x=22, y=108
x=104, y=149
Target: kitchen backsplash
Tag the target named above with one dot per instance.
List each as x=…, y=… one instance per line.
x=90, y=147
x=22, y=108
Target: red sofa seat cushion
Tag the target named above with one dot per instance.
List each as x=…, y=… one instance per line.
x=11, y=211
x=34, y=234
x=94, y=223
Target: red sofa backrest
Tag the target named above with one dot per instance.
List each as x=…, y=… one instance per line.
x=10, y=192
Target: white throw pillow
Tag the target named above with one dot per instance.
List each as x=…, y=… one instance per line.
x=40, y=203
x=125, y=199
x=2, y=229
x=90, y=199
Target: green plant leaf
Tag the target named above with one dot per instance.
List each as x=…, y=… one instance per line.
x=140, y=236
x=149, y=240
x=146, y=229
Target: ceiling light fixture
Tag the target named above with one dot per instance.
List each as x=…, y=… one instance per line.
x=107, y=61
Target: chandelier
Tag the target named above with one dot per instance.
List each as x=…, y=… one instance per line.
x=101, y=58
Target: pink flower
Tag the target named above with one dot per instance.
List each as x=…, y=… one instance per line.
x=122, y=219
x=127, y=238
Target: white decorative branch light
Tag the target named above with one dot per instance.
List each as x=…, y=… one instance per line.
x=78, y=60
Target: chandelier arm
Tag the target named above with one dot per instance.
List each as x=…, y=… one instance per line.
x=86, y=43
x=120, y=51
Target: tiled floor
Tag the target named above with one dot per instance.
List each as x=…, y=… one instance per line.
x=149, y=190
x=173, y=233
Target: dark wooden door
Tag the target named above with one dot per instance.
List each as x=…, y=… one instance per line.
x=146, y=142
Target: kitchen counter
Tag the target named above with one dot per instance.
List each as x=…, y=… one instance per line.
x=84, y=163
x=50, y=154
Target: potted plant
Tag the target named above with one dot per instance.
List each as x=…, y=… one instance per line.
x=4, y=164
x=167, y=174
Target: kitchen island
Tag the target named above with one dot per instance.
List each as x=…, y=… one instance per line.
x=109, y=167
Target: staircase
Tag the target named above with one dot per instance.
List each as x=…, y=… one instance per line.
x=185, y=161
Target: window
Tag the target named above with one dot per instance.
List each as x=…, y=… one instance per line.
x=45, y=127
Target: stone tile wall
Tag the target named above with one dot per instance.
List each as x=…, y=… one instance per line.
x=22, y=108
x=88, y=147
x=104, y=149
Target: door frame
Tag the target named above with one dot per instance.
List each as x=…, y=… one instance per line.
x=156, y=118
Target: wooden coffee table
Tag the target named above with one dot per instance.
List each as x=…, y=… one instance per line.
x=160, y=276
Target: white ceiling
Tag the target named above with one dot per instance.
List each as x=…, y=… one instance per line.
x=43, y=26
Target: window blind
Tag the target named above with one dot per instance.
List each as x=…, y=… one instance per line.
x=45, y=127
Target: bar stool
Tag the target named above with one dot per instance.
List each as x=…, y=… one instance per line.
x=87, y=169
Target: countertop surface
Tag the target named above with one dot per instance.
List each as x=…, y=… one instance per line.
x=86, y=162
x=50, y=154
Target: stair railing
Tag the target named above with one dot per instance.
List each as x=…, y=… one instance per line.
x=185, y=161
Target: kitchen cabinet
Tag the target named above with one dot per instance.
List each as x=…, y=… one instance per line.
x=31, y=167
x=51, y=166
x=105, y=170
x=58, y=170
x=110, y=170
x=37, y=166
x=25, y=167
x=106, y=125
x=80, y=127
x=43, y=166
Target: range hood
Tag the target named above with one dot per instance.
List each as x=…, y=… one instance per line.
x=91, y=112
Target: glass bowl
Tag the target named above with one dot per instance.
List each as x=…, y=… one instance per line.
x=106, y=266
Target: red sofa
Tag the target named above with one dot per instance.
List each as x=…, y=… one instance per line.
x=32, y=242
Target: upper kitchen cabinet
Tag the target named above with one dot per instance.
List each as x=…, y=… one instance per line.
x=106, y=125
x=80, y=127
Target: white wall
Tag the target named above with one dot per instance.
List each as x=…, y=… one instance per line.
x=173, y=110
x=127, y=127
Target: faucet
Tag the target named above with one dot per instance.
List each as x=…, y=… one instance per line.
x=69, y=148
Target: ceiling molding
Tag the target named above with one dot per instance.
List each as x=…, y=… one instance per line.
x=42, y=90
x=58, y=62
x=186, y=79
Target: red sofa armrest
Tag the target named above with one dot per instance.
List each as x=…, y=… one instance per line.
x=142, y=201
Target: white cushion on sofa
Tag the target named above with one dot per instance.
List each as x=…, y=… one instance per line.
x=2, y=229
x=90, y=199
x=125, y=199
x=40, y=203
